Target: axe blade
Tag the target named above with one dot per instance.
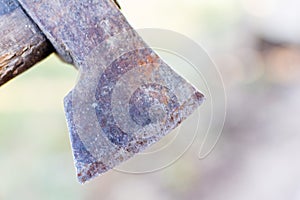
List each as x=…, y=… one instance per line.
x=126, y=97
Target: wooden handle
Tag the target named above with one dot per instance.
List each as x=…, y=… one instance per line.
x=22, y=44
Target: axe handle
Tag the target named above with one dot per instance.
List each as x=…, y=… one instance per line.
x=22, y=44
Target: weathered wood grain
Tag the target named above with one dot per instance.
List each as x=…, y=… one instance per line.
x=22, y=44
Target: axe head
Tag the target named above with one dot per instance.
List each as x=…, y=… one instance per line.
x=126, y=97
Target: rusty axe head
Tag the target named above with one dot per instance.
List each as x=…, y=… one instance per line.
x=126, y=98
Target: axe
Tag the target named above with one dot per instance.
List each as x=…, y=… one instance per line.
x=126, y=98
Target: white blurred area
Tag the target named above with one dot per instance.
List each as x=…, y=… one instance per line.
x=276, y=19
x=255, y=44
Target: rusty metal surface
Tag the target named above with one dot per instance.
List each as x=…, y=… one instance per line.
x=126, y=97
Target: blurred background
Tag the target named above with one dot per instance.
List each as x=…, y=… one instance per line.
x=256, y=46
